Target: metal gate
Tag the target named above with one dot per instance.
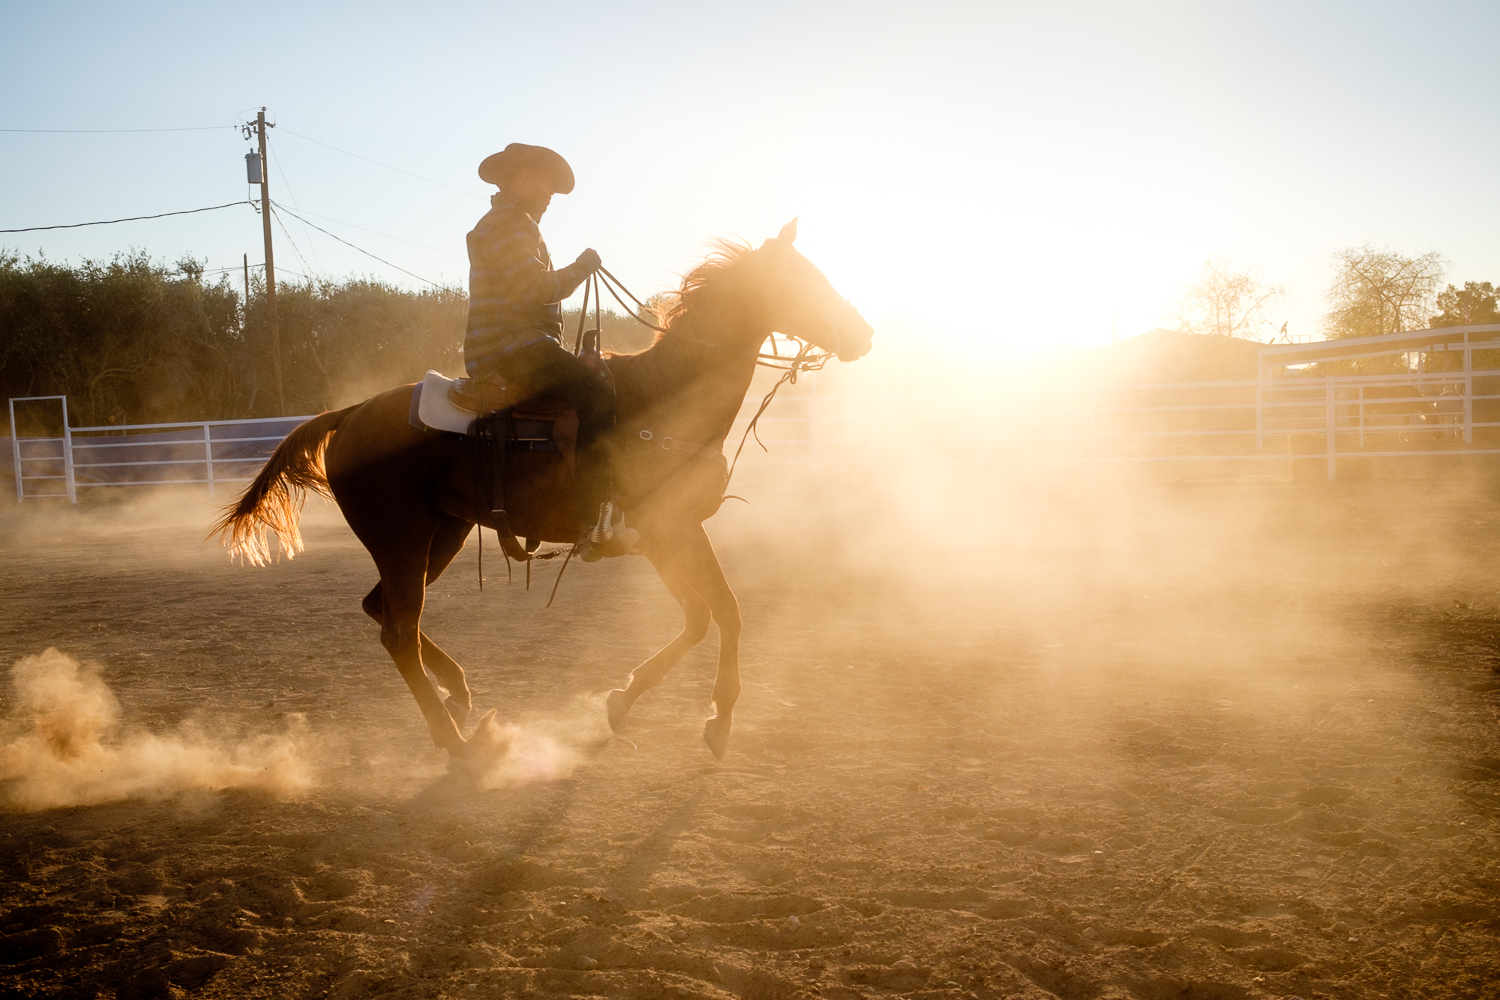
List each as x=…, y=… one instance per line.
x=209, y=452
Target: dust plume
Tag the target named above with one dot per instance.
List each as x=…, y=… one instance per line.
x=71, y=748
x=537, y=748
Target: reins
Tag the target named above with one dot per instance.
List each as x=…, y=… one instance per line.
x=803, y=361
x=611, y=283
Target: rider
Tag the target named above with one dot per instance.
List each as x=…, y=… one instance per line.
x=515, y=320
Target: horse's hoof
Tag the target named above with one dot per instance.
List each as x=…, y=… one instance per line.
x=472, y=755
x=614, y=704
x=458, y=712
x=461, y=757
x=716, y=735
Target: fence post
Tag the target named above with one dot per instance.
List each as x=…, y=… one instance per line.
x=1361, y=416
x=68, y=454
x=15, y=451
x=1262, y=376
x=1468, y=391
x=208, y=456
x=1332, y=457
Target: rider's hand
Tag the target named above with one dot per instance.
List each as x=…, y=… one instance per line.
x=588, y=261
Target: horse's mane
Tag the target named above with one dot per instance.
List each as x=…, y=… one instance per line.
x=722, y=254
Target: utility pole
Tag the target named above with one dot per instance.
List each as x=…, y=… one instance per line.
x=265, y=222
x=247, y=285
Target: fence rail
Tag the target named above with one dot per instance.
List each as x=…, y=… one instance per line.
x=1293, y=419
x=1253, y=421
x=198, y=452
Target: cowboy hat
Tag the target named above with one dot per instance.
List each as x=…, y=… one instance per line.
x=501, y=166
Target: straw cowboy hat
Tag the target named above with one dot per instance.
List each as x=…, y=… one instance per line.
x=501, y=166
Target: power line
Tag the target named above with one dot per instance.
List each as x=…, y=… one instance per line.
x=376, y=232
x=346, y=243
x=133, y=218
x=377, y=163
x=236, y=268
x=102, y=131
x=289, y=239
x=288, y=186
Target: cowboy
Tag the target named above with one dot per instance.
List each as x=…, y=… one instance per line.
x=515, y=322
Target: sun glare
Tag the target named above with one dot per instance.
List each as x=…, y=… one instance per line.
x=1030, y=254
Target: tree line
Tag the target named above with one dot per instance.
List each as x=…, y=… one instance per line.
x=132, y=340
x=1374, y=290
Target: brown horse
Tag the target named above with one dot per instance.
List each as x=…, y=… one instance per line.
x=412, y=496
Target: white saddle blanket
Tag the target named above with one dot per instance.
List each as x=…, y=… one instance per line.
x=437, y=411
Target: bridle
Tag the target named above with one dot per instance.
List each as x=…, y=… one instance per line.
x=805, y=358
x=809, y=358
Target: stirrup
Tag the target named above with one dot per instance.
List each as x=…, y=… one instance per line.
x=605, y=539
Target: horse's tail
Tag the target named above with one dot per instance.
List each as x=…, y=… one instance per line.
x=274, y=500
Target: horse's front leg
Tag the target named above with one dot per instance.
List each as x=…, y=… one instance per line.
x=704, y=574
x=696, y=616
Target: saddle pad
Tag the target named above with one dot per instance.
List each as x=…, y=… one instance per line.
x=436, y=410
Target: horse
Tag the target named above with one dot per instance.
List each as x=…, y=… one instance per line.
x=412, y=496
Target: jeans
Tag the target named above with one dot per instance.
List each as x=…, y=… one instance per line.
x=547, y=367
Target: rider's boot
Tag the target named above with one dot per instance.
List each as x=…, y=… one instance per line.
x=605, y=537
x=480, y=395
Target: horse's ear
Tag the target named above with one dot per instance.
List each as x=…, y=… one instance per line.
x=788, y=232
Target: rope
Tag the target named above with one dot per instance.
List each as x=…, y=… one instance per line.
x=559, y=572
x=806, y=363
x=582, y=311
x=790, y=375
x=609, y=282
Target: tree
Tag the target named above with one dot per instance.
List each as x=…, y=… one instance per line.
x=1475, y=303
x=1376, y=290
x=131, y=340
x=1226, y=302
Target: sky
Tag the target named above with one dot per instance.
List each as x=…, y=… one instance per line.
x=977, y=178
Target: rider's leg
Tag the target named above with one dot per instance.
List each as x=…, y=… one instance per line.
x=547, y=367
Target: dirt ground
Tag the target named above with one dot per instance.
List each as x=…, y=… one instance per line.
x=1170, y=742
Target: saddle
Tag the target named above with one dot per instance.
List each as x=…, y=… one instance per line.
x=538, y=422
x=485, y=396
x=527, y=447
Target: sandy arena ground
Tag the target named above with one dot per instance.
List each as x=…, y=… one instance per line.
x=1191, y=742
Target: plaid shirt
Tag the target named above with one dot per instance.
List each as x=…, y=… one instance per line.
x=515, y=298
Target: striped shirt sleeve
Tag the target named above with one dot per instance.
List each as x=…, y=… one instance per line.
x=511, y=249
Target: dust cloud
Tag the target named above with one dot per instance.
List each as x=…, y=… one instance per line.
x=545, y=747
x=1049, y=729
x=72, y=749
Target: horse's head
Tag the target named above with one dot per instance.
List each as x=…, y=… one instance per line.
x=801, y=303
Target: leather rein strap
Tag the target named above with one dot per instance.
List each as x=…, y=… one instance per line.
x=658, y=391
x=790, y=367
x=690, y=447
x=804, y=359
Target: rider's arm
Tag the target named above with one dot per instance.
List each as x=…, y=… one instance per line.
x=512, y=251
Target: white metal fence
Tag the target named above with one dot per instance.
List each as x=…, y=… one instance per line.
x=1286, y=420
x=1293, y=419
x=204, y=452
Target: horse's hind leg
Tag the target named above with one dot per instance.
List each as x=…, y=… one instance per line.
x=643, y=678
x=402, y=562
x=451, y=534
x=450, y=537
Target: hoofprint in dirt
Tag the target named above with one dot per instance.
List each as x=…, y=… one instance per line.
x=1107, y=754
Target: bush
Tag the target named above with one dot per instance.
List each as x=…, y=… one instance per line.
x=133, y=341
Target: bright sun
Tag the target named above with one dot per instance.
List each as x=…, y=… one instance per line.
x=1031, y=254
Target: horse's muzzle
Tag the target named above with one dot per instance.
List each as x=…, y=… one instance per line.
x=854, y=336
